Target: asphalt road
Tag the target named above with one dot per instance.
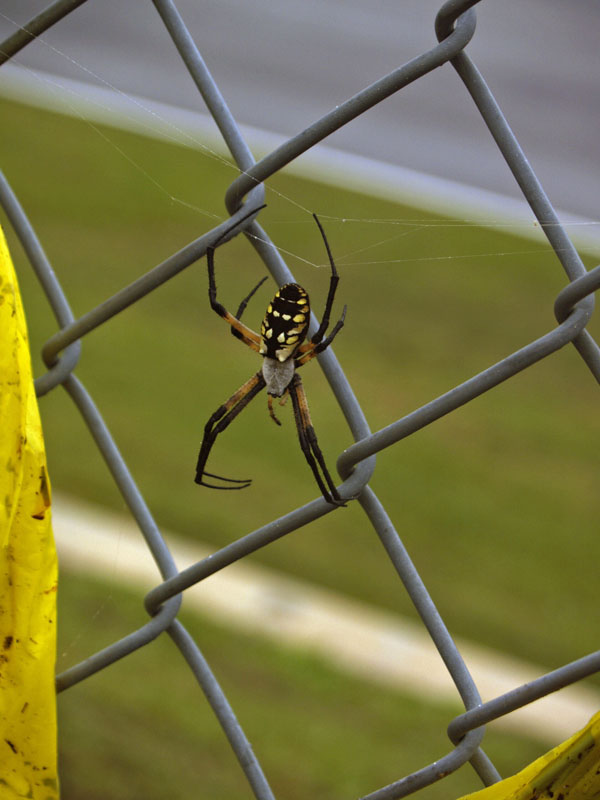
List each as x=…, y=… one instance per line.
x=281, y=64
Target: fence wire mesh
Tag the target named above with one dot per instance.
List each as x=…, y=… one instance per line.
x=455, y=26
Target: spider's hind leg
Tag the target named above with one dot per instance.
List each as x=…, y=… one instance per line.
x=309, y=444
x=217, y=423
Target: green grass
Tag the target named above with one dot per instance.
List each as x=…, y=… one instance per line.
x=497, y=503
x=316, y=733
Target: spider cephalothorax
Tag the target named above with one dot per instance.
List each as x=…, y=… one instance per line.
x=282, y=346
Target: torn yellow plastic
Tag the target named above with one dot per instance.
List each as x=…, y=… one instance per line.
x=28, y=570
x=570, y=771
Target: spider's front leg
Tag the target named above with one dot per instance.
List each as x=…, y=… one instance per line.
x=239, y=330
x=217, y=423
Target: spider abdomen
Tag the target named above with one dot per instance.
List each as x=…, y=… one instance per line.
x=286, y=323
x=277, y=375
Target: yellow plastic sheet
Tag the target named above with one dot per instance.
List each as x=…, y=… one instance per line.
x=570, y=771
x=28, y=571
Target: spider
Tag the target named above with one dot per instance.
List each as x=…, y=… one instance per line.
x=283, y=331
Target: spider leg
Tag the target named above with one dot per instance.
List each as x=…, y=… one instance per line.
x=309, y=445
x=244, y=302
x=318, y=335
x=241, y=331
x=242, y=308
x=217, y=423
x=310, y=350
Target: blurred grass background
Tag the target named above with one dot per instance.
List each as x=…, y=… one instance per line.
x=496, y=503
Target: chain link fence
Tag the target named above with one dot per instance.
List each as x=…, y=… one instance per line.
x=455, y=26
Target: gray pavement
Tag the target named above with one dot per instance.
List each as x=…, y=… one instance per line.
x=281, y=64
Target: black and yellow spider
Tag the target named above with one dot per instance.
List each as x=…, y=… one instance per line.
x=283, y=331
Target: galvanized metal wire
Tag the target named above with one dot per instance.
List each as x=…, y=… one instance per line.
x=455, y=26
